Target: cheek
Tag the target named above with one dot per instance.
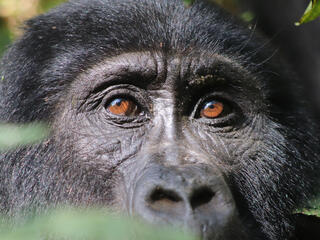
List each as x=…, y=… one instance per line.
x=100, y=145
x=228, y=149
x=108, y=151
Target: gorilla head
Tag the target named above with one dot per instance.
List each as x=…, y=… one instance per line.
x=179, y=115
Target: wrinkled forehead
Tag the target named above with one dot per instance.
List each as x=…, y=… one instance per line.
x=151, y=70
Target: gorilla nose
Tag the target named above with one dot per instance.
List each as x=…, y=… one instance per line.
x=195, y=198
x=171, y=201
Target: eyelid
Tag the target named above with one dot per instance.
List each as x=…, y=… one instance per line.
x=129, y=91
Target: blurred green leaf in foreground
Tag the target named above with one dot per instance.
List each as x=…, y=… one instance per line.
x=188, y=2
x=312, y=12
x=75, y=224
x=12, y=135
x=313, y=208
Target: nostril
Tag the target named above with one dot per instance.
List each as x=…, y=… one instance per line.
x=160, y=194
x=201, y=196
x=163, y=199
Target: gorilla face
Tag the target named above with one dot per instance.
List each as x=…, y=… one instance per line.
x=178, y=115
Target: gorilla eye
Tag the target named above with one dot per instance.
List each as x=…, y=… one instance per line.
x=212, y=109
x=123, y=107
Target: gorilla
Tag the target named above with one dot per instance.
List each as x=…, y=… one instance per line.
x=179, y=115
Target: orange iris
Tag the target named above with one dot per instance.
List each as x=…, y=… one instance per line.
x=212, y=109
x=123, y=107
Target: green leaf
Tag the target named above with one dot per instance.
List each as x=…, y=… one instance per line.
x=45, y=5
x=188, y=2
x=89, y=224
x=4, y=38
x=247, y=16
x=313, y=208
x=16, y=135
x=312, y=12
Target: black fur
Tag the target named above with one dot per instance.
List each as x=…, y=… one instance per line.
x=270, y=157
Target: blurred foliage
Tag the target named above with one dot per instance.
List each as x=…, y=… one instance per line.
x=312, y=12
x=4, y=36
x=188, y=2
x=14, y=12
x=312, y=208
x=12, y=136
x=91, y=224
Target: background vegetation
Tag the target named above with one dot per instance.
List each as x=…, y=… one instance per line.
x=14, y=12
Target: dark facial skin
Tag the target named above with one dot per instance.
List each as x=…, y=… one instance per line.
x=167, y=148
x=181, y=122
